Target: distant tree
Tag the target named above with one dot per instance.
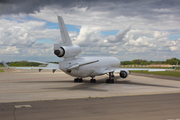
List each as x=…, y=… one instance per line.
x=55, y=62
x=172, y=61
x=159, y=62
x=125, y=63
x=137, y=61
x=1, y=65
x=140, y=62
x=24, y=63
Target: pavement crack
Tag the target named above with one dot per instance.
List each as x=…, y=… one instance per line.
x=14, y=113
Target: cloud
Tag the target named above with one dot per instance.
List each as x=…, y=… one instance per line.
x=17, y=34
x=135, y=6
x=24, y=34
x=10, y=50
x=119, y=37
x=87, y=36
x=19, y=39
x=152, y=22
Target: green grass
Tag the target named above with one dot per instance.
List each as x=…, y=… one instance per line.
x=1, y=70
x=150, y=67
x=178, y=68
x=19, y=66
x=166, y=73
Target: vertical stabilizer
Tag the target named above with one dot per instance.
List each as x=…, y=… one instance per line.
x=66, y=41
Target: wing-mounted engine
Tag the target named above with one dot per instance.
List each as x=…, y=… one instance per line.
x=66, y=51
x=124, y=74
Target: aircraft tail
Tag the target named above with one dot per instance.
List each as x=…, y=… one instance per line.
x=5, y=64
x=66, y=41
x=65, y=49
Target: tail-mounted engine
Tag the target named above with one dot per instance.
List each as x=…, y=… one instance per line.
x=66, y=51
x=124, y=74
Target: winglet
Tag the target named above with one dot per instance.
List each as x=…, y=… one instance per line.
x=5, y=64
x=64, y=34
x=176, y=66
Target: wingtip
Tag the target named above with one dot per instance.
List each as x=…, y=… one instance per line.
x=6, y=66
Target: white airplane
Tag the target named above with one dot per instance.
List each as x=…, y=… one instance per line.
x=84, y=66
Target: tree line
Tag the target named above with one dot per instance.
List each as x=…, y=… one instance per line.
x=22, y=63
x=172, y=61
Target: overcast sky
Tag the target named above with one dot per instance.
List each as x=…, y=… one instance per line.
x=126, y=29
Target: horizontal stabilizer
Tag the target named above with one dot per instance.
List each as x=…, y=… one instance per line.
x=74, y=66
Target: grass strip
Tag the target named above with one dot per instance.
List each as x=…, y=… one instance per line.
x=1, y=70
x=166, y=73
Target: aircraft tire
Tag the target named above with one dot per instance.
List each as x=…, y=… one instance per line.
x=94, y=81
x=80, y=80
x=76, y=80
x=91, y=80
x=107, y=81
x=112, y=81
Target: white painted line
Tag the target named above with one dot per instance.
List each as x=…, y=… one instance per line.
x=22, y=106
x=174, y=119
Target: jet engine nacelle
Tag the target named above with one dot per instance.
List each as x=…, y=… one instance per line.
x=124, y=74
x=66, y=51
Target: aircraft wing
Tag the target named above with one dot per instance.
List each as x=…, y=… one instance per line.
x=131, y=69
x=117, y=70
x=37, y=61
x=50, y=66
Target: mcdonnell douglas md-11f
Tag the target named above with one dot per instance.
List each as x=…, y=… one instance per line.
x=83, y=66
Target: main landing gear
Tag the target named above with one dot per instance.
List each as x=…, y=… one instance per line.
x=78, y=80
x=93, y=80
x=110, y=80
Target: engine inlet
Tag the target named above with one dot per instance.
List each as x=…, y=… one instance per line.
x=57, y=52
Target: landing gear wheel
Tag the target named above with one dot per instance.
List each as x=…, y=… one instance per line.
x=107, y=81
x=78, y=80
x=92, y=81
x=112, y=81
x=110, y=76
